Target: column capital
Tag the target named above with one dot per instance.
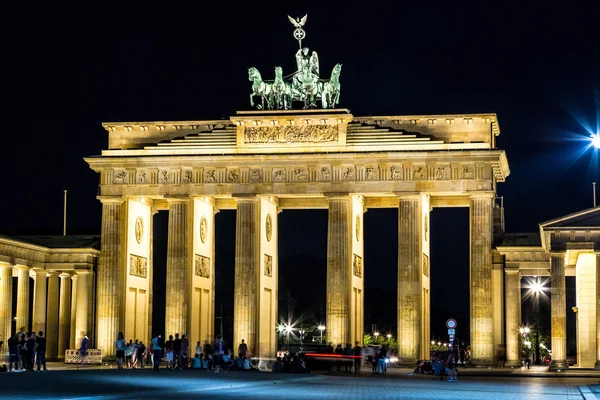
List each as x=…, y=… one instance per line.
x=243, y=197
x=512, y=271
x=23, y=267
x=177, y=198
x=482, y=195
x=111, y=199
x=6, y=265
x=83, y=271
x=557, y=254
x=64, y=275
x=53, y=273
x=337, y=196
x=74, y=277
x=210, y=200
x=408, y=195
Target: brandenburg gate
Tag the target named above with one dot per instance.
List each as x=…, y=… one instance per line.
x=261, y=163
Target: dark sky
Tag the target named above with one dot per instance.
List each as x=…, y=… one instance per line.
x=70, y=68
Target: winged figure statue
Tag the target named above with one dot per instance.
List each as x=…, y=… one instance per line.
x=298, y=23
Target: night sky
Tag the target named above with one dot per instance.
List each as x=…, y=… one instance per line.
x=69, y=69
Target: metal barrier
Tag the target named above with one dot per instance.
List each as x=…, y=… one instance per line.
x=93, y=356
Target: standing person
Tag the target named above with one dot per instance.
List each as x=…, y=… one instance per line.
x=31, y=349
x=217, y=357
x=348, y=353
x=157, y=352
x=13, y=353
x=185, y=344
x=198, y=349
x=134, y=355
x=451, y=367
x=340, y=352
x=22, y=352
x=141, y=354
x=357, y=357
x=381, y=357
x=242, y=349
x=129, y=354
x=177, y=352
x=40, y=351
x=121, y=345
x=83, y=347
x=168, y=347
x=463, y=355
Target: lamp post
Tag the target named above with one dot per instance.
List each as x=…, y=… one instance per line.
x=321, y=329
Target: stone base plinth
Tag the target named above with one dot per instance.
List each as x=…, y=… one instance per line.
x=558, y=365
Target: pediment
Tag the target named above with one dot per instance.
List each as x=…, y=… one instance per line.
x=589, y=218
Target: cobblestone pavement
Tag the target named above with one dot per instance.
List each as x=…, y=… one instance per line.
x=113, y=384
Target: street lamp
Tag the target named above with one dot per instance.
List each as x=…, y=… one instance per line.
x=389, y=336
x=321, y=328
x=376, y=334
x=595, y=139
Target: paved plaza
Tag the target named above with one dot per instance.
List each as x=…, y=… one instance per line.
x=113, y=384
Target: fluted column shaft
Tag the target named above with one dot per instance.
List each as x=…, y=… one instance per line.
x=178, y=269
x=512, y=289
x=52, y=317
x=64, y=316
x=109, y=286
x=338, y=274
x=23, y=299
x=482, y=341
x=72, y=329
x=409, y=279
x=245, y=315
x=39, y=302
x=84, y=296
x=5, y=304
x=597, y=364
x=558, y=310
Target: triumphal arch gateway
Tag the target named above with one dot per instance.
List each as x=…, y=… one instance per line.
x=261, y=163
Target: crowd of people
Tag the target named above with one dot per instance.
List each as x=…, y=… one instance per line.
x=26, y=351
x=441, y=364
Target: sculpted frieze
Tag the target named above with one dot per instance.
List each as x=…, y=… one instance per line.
x=420, y=172
x=233, y=175
x=165, y=177
x=279, y=175
x=395, y=173
x=291, y=134
x=210, y=176
x=370, y=174
x=202, y=266
x=142, y=177
x=325, y=173
x=300, y=174
x=121, y=177
x=467, y=172
x=348, y=174
x=188, y=177
x=138, y=266
x=255, y=175
x=442, y=172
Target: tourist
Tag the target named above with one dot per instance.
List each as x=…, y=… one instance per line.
x=31, y=348
x=141, y=354
x=129, y=354
x=157, y=347
x=450, y=367
x=198, y=349
x=83, y=347
x=242, y=349
x=277, y=365
x=348, y=353
x=40, y=351
x=13, y=353
x=357, y=350
x=120, y=344
x=185, y=344
x=169, y=353
x=177, y=352
x=218, y=354
x=134, y=352
x=463, y=355
x=23, y=352
x=340, y=352
x=381, y=357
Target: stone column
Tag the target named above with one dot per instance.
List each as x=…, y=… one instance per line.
x=245, y=315
x=39, y=302
x=109, y=287
x=64, y=319
x=597, y=364
x=23, y=299
x=5, y=304
x=82, y=318
x=72, y=335
x=52, y=317
x=512, y=289
x=482, y=343
x=178, y=267
x=558, y=307
x=409, y=278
